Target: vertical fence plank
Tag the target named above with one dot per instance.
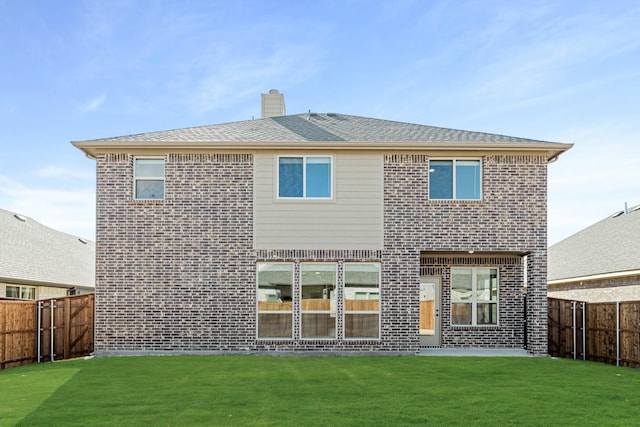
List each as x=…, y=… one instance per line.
x=630, y=334
x=553, y=329
x=566, y=320
x=3, y=335
x=66, y=329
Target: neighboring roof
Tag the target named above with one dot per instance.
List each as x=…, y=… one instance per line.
x=329, y=130
x=32, y=253
x=605, y=294
x=609, y=246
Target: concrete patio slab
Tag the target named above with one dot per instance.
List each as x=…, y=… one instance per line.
x=475, y=352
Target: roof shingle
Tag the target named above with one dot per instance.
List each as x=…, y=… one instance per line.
x=318, y=127
x=33, y=253
x=608, y=246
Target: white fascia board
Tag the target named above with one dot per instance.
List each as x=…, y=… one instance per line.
x=614, y=275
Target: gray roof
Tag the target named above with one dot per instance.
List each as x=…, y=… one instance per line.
x=609, y=246
x=32, y=253
x=319, y=127
x=604, y=294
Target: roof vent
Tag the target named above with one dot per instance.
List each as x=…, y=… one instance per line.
x=625, y=211
x=81, y=240
x=20, y=217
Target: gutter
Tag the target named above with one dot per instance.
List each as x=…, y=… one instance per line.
x=92, y=148
x=614, y=275
x=26, y=282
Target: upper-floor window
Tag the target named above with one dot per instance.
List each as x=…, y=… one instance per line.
x=148, y=179
x=305, y=177
x=456, y=179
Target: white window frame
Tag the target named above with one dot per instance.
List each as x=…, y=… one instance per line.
x=20, y=288
x=149, y=178
x=304, y=176
x=474, y=298
x=336, y=309
x=332, y=312
x=293, y=305
x=453, y=164
x=378, y=312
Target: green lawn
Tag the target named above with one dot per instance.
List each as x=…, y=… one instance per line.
x=319, y=391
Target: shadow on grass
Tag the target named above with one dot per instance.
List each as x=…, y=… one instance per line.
x=26, y=388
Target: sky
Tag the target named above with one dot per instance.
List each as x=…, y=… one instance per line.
x=562, y=71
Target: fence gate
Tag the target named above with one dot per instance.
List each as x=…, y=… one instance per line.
x=46, y=330
x=566, y=329
x=66, y=327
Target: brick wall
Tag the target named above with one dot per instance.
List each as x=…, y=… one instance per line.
x=510, y=218
x=176, y=274
x=509, y=333
x=179, y=274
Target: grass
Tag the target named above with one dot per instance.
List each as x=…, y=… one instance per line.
x=319, y=391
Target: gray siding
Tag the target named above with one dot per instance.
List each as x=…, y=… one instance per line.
x=352, y=220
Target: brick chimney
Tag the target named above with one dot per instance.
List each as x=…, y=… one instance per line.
x=273, y=104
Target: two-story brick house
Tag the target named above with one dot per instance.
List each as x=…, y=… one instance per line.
x=319, y=232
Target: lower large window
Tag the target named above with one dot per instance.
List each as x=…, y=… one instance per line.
x=362, y=300
x=275, y=301
x=474, y=296
x=317, y=309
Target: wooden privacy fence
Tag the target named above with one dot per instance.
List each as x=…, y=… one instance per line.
x=602, y=332
x=46, y=330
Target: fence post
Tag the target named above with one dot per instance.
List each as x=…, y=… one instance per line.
x=39, y=333
x=617, y=333
x=584, y=330
x=573, y=327
x=51, y=350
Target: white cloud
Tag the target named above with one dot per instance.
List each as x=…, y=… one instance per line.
x=542, y=62
x=58, y=172
x=237, y=79
x=71, y=211
x=93, y=104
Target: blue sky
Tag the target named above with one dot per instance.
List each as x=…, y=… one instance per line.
x=565, y=71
